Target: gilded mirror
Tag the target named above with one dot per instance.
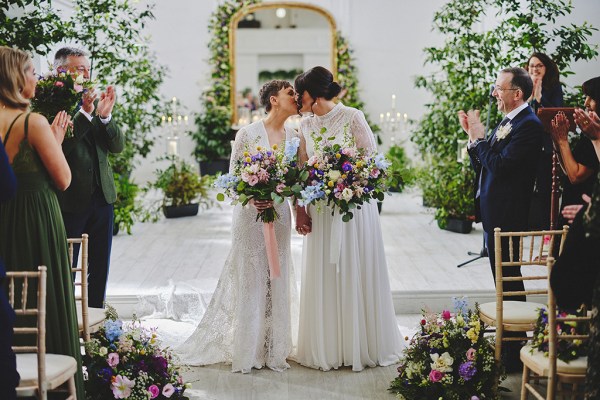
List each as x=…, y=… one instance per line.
x=275, y=41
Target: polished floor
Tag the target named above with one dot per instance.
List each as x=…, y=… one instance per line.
x=166, y=272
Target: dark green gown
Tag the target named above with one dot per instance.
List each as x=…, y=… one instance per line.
x=32, y=233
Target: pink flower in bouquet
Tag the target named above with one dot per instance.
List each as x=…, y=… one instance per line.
x=349, y=151
x=78, y=88
x=374, y=173
x=252, y=180
x=121, y=387
x=280, y=188
x=245, y=176
x=154, y=391
x=59, y=84
x=168, y=390
x=435, y=375
x=263, y=175
x=113, y=360
x=446, y=315
x=471, y=354
x=312, y=160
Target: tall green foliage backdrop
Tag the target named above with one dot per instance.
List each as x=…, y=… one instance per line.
x=467, y=63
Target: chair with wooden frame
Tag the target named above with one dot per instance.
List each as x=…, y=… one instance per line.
x=39, y=371
x=538, y=365
x=518, y=316
x=89, y=319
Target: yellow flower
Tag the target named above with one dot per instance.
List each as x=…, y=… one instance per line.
x=258, y=148
x=143, y=351
x=330, y=183
x=246, y=154
x=275, y=147
x=344, y=176
x=316, y=165
x=359, y=164
x=338, y=155
x=248, y=159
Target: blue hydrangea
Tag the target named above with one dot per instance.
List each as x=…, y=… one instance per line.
x=113, y=329
x=381, y=162
x=226, y=181
x=291, y=148
x=311, y=193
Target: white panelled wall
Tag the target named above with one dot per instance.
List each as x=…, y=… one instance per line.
x=387, y=36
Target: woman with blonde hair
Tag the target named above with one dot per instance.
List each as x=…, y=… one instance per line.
x=32, y=232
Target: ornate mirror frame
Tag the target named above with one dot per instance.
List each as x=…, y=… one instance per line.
x=264, y=6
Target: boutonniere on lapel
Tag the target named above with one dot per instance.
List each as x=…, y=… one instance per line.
x=503, y=131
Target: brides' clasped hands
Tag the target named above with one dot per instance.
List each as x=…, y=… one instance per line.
x=303, y=221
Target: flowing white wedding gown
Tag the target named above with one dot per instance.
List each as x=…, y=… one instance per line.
x=346, y=312
x=248, y=322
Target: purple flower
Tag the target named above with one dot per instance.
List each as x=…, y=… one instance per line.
x=467, y=370
x=105, y=374
x=347, y=166
x=160, y=365
x=154, y=391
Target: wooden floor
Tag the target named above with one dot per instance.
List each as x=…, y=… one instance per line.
x=174, y=262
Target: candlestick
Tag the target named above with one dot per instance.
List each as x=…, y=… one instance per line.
x=393, y=102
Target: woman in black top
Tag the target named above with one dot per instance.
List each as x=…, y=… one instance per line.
x=547, y=92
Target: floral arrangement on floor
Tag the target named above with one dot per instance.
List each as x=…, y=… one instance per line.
x=342, y=175
x=59, y=91
x=566, y=350
x=449, y=359
x=125, y=361
x=263, y=174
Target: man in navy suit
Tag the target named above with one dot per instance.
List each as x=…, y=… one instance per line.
x=505, y=164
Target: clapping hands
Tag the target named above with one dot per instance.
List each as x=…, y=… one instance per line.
x=470, y=121
x=588, y=122
x=59, y=126
x=560, y=127
x=106, y=103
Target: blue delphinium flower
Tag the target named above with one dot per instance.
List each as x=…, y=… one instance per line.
x=381, y=162
x=113, y=329
x=461, y=305
x=291, y=148
x=226, y=181
x=311, y=193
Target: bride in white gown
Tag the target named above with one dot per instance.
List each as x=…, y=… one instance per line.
x=346, y=312
x=248, y=322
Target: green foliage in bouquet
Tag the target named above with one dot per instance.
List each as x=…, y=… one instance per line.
x=448, y=359
x=58, y=91
x=126, y=361
x=566, y=350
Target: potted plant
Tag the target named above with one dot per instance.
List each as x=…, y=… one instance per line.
x=399, y=173
x=449, y=187
x=183, y=189
x=213, y=139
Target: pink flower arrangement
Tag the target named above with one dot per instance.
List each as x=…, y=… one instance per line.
x=435, y=375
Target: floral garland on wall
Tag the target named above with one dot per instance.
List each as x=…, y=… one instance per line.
x=213, y=124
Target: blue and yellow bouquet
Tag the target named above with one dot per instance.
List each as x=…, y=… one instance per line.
x=125, y=361
x=263, y=174
x=342, y=175
x=448, y=359
x=59, y=91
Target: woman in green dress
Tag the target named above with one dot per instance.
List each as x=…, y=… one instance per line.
x=31, y=229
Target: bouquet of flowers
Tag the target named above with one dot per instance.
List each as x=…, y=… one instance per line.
x=58, y=91
x=566, y=350
x=125, y=361
x=263, y=174
x=342, y=175
x=449, y=359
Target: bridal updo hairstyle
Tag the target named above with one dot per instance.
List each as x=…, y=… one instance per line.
x=318, y=82
x=269, y=89
x=13, y=63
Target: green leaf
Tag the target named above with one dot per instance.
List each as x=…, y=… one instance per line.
x=220, y=197
x=323, y=130
x=347, y=217
x=276, y=198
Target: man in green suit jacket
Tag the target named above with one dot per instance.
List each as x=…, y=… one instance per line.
x=87, y=205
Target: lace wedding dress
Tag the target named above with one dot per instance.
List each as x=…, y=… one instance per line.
x=248, y=322
x=346, y=312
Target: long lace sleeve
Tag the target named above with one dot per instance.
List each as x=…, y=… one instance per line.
x=362, y=133
x=239, y=146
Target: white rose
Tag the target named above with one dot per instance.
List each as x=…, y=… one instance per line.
x=103, y=351
x=442, y=363
x=79, y=79
x=334, y=175
x=347, y=194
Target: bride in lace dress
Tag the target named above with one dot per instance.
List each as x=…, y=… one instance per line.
x=248, y=322
x=346, y=312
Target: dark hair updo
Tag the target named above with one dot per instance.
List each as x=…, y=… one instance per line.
x=269, y=89
x=318, y=82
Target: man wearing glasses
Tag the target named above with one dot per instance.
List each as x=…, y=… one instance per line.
x=505, y=165
x=87, y=205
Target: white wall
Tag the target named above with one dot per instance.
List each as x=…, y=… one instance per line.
x=388, y=37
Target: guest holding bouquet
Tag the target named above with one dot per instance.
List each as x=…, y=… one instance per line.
x=347, y=316
x=32, y=231
x=248, y=323
x=87, y=205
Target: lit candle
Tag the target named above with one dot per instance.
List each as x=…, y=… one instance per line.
x=172, y=147
x=169, y=119
x=162, y=120
x=380, y=118
x=393, y=101
x=185, y=120
x=174, y=99
x=405, y=117
x=387, y=116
